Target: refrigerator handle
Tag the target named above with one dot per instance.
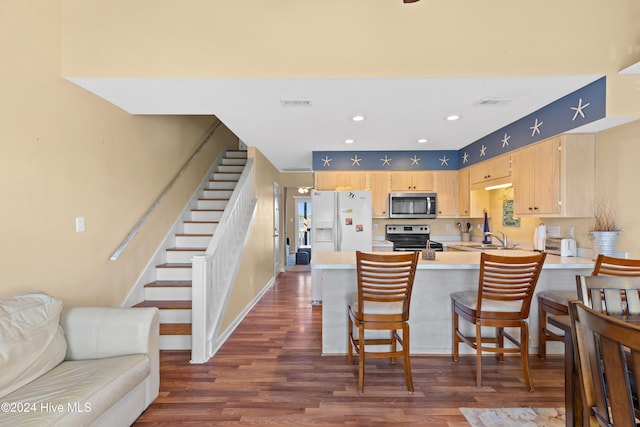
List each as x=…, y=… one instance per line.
x=338, y=226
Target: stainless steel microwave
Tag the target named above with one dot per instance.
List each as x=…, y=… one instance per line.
x=413, y=205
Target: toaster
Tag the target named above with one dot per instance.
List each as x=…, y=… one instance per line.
x=562, y=247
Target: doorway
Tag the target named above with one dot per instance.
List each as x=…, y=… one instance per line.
x=277, y=253
x=303, y=218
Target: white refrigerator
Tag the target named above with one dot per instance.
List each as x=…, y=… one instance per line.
x=341, y=221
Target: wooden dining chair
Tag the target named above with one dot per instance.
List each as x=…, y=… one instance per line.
x=503, y=299
x=609, y=362
x=381, y=309
x=610, y=295
x=556, y=302
x=614, y=295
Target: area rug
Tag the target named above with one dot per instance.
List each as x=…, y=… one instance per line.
x=514, y=417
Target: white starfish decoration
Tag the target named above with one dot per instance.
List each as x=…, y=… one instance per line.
x=483, y=150
x=465, y=157
x=536, y=128
x=415, y=160
x=505, y=140
x=386, y=161
x=355, y=160
x=444, y=161
x=326, y=161
x=579, y=108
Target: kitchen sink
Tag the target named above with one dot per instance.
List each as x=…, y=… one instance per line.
x=491, y=247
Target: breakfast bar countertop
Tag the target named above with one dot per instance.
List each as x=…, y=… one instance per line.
x=333, y=283
x=448, y=260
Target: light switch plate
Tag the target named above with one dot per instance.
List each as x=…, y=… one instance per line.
x=79, y=224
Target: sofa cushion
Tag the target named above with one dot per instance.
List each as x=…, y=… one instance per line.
x=31, y=339
x=76, y=393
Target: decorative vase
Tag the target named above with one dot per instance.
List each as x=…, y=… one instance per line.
x=603, y=242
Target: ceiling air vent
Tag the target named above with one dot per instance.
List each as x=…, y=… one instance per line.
x=492, y=101
x=295, y=103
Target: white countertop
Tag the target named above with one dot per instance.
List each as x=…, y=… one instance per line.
x=448, y=260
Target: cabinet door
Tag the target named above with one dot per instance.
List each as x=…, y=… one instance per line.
x=401, y=181
x=546, y=177
x=498, y=167
x=379, y=183
x=523, y=167
x=536, y=179
x=422, y=181
x=326, y=181
x=412, y=181
x=352, y=181
x=446, y=185
x=478, y=173
x=341, y=181
x=463, y=193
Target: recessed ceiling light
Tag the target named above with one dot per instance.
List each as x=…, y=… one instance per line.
x=357, y=118
x=422, y=141
x=349, y=141
x=452, y=117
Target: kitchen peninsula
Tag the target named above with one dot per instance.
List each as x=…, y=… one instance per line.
x=430, y=319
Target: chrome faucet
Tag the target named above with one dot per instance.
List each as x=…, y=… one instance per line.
x=503, y=240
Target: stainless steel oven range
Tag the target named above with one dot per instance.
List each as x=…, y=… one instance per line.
x=410, y=237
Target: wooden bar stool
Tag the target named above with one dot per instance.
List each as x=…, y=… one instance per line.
x=381, y=309
x=503, y=299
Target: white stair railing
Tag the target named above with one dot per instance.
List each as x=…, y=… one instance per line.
x=215, y=272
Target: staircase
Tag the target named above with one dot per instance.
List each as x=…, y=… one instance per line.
x=171, y=290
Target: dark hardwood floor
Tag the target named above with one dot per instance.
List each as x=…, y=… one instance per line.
x=271, y=372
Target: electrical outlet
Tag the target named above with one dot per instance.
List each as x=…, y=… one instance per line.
x=79, y=224
x=375, y=227
x=448, y=227
x=480, y=227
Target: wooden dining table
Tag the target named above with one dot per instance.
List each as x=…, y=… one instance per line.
x=576, y=413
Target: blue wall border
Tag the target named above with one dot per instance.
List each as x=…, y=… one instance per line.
x=576, y=109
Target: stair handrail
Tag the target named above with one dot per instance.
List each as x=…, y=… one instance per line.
x=162, y=195
x=214, y=272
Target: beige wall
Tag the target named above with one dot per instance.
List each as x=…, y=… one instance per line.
x=617, y=179
x=257, y=267
x=355, y=38
x=67, y=153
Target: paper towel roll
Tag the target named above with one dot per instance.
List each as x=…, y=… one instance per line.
x=542, y=237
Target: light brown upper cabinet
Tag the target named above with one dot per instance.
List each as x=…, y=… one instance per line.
x=555, y=177
x=490, y=171
x=464, y=203
x=380, y=185
x=341, y=181
x=411, y=181
x=445, y=183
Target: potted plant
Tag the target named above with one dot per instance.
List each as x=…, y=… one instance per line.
x=604, y=230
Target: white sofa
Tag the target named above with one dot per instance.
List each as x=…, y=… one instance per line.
x=78, y=366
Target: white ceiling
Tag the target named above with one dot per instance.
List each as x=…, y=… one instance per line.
x=397, y=111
